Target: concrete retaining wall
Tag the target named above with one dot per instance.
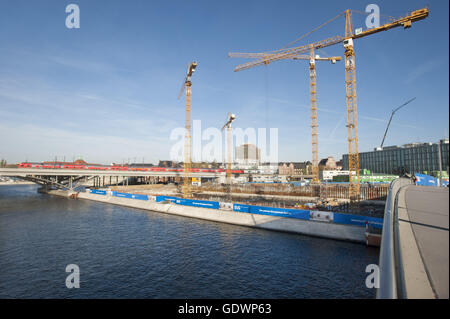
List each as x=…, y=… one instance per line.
x=305, y=227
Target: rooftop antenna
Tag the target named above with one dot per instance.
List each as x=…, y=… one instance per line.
x=390, y=119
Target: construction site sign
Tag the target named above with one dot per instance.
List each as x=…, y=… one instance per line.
x=196, y=181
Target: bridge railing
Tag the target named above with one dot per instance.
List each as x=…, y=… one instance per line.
x=388, y=249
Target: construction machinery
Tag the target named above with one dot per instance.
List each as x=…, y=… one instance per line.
x=350, y=80
x=187, y=137
x=390, y=119
x=230, y=119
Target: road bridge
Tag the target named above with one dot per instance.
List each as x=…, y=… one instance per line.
x=69, y=179
x=414, y=255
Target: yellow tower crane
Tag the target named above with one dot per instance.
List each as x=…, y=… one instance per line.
x=350, y=89
x=313, y=101
x=313, y=96
x=350, y=81
x=230, y=119
x=187, y=137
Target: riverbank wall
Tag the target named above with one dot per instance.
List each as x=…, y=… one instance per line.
x=312, y=223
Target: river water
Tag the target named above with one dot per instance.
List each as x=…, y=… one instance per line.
x=129, y=253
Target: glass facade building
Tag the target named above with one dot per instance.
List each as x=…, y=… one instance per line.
x=408, y=158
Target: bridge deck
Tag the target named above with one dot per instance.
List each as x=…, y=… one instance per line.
x=414, y=247
x=22, y=172
x=423, y=218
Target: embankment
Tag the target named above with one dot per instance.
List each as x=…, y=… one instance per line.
x=325, y=229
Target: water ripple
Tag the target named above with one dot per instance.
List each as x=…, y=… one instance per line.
x=130, y=253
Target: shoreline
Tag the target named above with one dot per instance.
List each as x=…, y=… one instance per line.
x=321, y=229
x=16, y=183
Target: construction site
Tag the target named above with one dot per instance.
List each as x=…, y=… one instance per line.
x=333, y=198
x=354, y=196
x=358, y=193
x=224, y=150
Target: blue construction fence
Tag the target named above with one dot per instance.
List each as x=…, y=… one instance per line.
x=304, y=214
x=272, y=211
x=426, y=180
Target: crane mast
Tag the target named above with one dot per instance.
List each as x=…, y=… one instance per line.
x=187, y=144
x=350, y=92
x=352, y=114
x=187, y=193
x=230, y=119
x=229, y=143
x=314, y=138
x=352, y=124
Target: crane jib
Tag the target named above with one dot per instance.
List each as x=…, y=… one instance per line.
x=290, y=52
x=404, y=22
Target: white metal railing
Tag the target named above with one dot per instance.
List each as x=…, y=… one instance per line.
x=388, y=275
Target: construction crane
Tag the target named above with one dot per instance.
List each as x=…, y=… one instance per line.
x=313, y=97
x=187, y=136
x=313, y=101
x=350, y=80
x=230, y=119
x=390, y=119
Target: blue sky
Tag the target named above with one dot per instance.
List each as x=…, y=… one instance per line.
x=108, y=91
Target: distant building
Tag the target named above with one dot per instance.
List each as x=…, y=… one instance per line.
x=294, y=168
x=80, y=162
x=77, y=162
x=268, y=168
x=140, y=165
x=247, y=154
x=205, y=165
x=286, y=169
x=168, y=164
x=408, y=158
x=328, y=164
